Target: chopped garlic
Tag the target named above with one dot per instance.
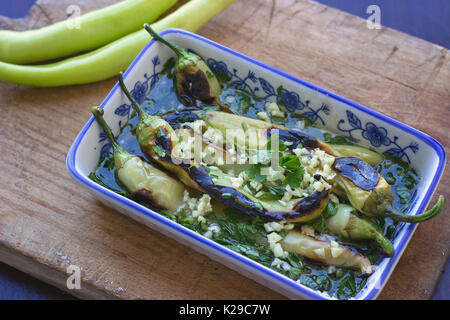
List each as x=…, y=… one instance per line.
x=274, y=237
x=336, y=251
x=274, y=110
x=331, y=269
x=278, y=226
x=278, y=251
x=276, y=263
x=256, y=185
x=320, y=252
x=201, y=219
x=284, y=204
x=259, y=194
x=263, y=116
x=237, y=182
x=203, y=206
x=273, y=226
x=281, y=264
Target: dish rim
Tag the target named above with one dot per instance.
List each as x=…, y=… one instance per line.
x=402, y=244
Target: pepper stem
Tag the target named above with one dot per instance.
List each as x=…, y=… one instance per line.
x=437, y=208
x=178, y=50
x=141, y=113
x=384, y=243
x=120, y=154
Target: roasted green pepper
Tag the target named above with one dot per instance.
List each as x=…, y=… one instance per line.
x=369, y=193
x=347, y=225
x=343, y=150
x=142, y=180
x=158, y=140
x=194, y=80
x=327, y=252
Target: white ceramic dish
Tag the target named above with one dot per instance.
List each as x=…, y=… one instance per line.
x=335, y=113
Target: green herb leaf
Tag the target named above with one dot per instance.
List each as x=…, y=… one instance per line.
x=98, y=180
x=279, y=90
x=328, y=138
x=159, y=151
x=223, y=77
x=295, y=170
x=267, y=196
x=278, y=190
x=290, y=162
x=254, y=172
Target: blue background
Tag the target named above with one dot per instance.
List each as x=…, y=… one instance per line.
x=426, y=19
x=429, y=20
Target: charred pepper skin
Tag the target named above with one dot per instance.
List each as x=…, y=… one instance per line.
x=366, y=189
x=194, y=80
x=327, y=252
x=143, y=181
x=159, y=148
x=369, y=192
x=347, y=225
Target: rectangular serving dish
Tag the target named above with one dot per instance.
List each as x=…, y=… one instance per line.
x=324, y=108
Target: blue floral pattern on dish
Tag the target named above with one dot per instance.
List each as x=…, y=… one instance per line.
x=140, y=89
x=377, y=136
x=139, y=92
x=290, y=99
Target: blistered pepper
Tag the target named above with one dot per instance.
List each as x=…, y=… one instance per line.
x=369, y=193
x=366, y=189
x=347, y=225
x=194, y=80
x=143, y=181
x=327, y=252
x=158, y=139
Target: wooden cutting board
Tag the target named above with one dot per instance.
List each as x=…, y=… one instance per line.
x=48, y=222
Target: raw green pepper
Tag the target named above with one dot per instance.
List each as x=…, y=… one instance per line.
x=143, y=181
x=94, y=29
x=107, y=61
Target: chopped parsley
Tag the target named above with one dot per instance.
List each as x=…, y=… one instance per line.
x=294, y=169
x=159, y=151
x=254, y=172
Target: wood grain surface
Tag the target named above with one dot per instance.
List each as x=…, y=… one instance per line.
x=48, y=222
